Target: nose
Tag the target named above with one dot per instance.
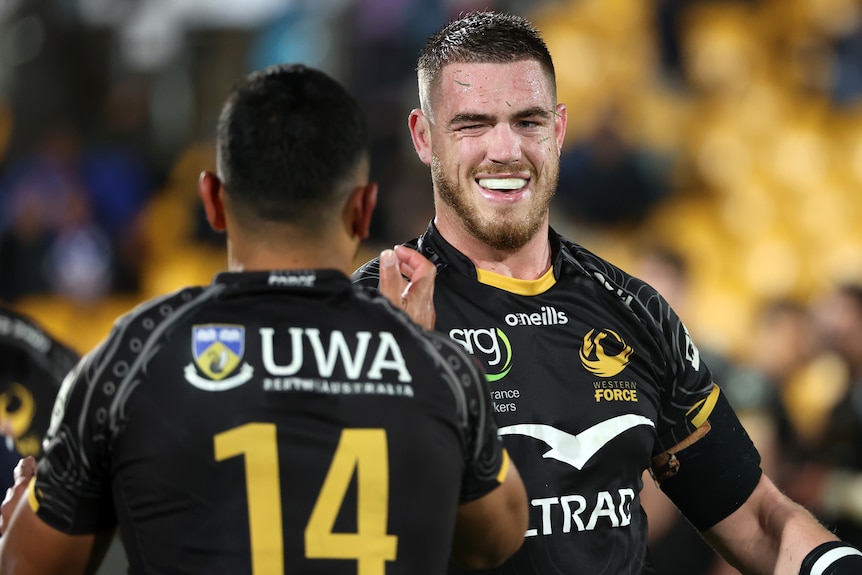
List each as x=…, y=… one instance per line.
x=504, y=145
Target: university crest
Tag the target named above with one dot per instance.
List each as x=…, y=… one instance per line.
x=218, y=350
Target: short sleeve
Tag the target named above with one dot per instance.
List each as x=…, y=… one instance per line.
x=72, y=488
x=485, y=458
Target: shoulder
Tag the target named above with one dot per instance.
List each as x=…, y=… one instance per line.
x=23, y=337
x=135, y=334
x=163, y=309
x=626, y=287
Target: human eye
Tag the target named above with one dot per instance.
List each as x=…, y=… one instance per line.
x=532, y=120
x=469, y=123
x=469, y=128
x=529, y=124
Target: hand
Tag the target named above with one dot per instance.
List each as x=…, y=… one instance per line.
x=407, y=280
x=24, y=472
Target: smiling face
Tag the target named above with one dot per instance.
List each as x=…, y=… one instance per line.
x=492, y=135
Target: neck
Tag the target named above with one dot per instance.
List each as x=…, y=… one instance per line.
x=528, y=262
x=293, y=253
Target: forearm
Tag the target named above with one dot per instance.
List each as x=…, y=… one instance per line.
x=490, y=529
x=29, y=546
x=769, y=534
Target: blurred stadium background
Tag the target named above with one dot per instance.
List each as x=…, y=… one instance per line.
x=726, y=131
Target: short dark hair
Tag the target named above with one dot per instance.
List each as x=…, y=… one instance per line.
x=483, y=37
x=289, y=138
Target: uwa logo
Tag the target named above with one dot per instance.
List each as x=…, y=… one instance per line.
x=218, y=351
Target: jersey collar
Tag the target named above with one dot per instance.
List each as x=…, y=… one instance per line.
x=284, y=280
x=433, y=246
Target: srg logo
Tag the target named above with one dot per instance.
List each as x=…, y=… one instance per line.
x=490, y=345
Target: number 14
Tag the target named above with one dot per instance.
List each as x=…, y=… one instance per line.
x=360, y=451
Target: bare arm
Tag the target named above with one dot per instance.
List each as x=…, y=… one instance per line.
x=490, y=529
x=29, y=546
x=768, y=534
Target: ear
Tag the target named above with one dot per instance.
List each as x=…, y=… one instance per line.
x=560, y=120
x=420, y=131
x=359, y=209
x=210, y=190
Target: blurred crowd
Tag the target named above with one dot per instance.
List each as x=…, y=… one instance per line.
x=714, y=149
x=797, y=388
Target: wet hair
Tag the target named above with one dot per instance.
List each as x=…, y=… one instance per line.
x=481, y=38
x=290, y=142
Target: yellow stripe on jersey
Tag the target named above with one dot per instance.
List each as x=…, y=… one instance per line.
x=31, y=495
x=706, y=406
x=515, y=285
x=504, y=468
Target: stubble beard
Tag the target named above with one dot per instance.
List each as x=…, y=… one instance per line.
x=505, y=230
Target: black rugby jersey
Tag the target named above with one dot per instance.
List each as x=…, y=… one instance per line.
x=285, y=421
x=591, y=375
x=32, y=367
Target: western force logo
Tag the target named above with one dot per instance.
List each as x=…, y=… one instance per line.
x=604, y=353
x=17, y=410
x=490, y=345
x=217, y=351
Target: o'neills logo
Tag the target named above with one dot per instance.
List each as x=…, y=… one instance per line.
x=547, y=315
x=604, y=353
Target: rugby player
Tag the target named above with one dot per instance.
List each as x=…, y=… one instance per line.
x=33, y=364
x=593, y=377
x=279, y=420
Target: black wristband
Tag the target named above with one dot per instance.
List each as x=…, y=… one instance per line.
x=832, y=558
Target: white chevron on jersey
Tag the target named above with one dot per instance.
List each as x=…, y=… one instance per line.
x=576, y=450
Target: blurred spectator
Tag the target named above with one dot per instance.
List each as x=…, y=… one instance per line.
x=36, y=195
x=119, y=178
x=675, y=545
x=387, y=37
x=780, y=348
x=832, y=486
x=69, y=215
x=847, y=82
x=79, y=261
x=608, y=180
x=667, y=270
x=668, y=24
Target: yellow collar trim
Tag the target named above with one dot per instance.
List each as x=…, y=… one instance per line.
x=515, y=285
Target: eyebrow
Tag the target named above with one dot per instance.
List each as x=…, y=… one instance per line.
x=470, y=117
x=476, y=117
x=531, y=112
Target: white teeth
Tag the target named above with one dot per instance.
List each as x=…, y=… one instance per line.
x=503, y=183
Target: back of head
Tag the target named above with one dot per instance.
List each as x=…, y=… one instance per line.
x=291, y=144
x=481, y=38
